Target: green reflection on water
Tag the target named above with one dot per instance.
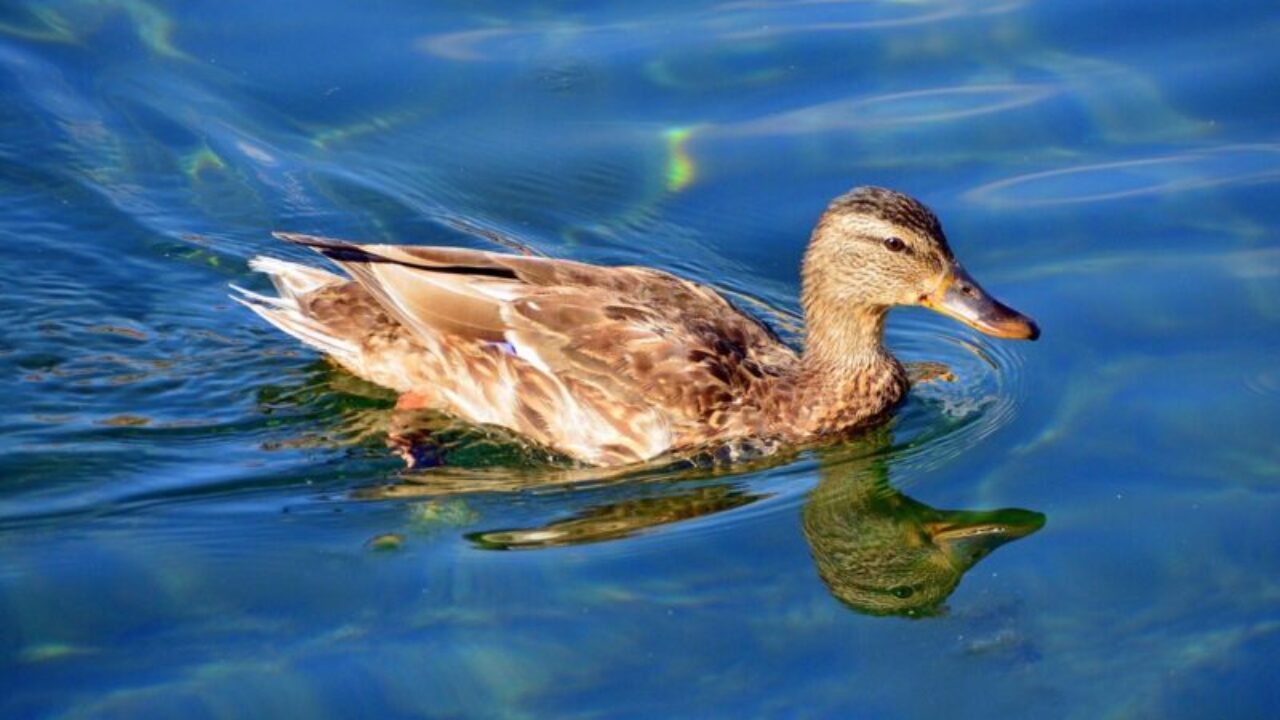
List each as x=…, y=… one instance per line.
x=877, y=550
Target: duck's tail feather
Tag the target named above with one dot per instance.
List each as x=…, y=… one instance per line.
x=286, y=312
x=291, y=279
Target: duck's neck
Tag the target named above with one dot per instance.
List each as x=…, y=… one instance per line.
x=846, y=370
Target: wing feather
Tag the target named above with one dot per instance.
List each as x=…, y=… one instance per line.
x=645, y=353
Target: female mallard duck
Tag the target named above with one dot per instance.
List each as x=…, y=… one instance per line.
x=614, y=365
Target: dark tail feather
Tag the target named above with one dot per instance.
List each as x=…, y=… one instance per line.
x=344, y=252
x=335, y=249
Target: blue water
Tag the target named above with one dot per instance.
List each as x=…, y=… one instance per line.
x=201, y=518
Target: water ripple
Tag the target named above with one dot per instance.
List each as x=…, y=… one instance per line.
x=1265, y=382
x=726, y=24
x=894, y=109
x=1160, y=175
x=942, y=418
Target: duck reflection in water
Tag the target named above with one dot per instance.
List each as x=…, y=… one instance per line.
x=883, y=553
x=877, y=550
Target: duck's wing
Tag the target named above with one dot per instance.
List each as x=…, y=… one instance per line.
x=627, y=336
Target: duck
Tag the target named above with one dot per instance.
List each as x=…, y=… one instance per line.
x=616, y=365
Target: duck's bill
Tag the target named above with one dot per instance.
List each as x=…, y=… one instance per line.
x=967, y=537
x=961, y=298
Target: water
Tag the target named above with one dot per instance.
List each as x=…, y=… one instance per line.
x=198, y=517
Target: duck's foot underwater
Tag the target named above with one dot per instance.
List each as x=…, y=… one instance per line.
x=417, y=449
x=413, y=401
x=928, y=371
x=415, y=446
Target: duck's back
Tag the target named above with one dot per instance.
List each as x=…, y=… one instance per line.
x=606, y=364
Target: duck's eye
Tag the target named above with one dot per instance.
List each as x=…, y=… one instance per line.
x=903, y=592
x=894, y=244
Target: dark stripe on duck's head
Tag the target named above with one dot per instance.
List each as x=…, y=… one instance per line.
x=892, y=207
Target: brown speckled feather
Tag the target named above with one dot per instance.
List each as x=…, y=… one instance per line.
x=607, y=364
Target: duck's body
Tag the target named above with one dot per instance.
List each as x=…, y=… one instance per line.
x=609, y=365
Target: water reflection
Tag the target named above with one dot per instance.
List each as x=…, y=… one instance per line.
x=877, y=550
x=884, y=553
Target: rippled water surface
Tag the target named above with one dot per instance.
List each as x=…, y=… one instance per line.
x=201, y=518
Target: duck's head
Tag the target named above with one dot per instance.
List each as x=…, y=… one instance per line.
x=875, y=248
